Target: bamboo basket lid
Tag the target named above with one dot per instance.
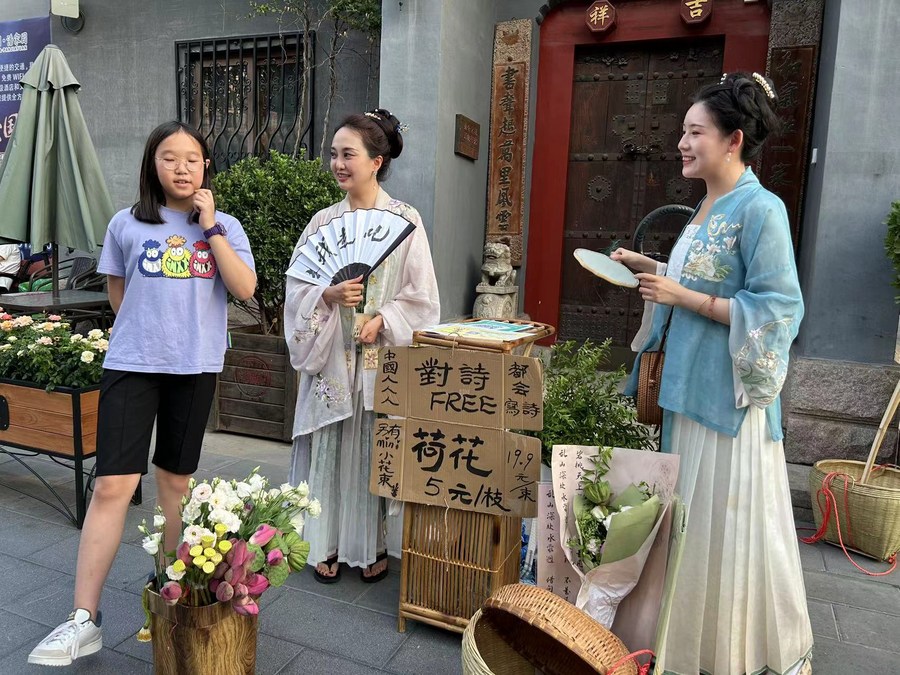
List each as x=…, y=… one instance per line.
x=552, y=634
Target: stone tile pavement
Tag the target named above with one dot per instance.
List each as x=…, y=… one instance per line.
x=349, y=628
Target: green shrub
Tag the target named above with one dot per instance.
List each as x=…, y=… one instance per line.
x=892, y=243
x=274, y=200
x=582, y=403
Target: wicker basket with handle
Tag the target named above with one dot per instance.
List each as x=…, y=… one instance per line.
x=542, y=629
x=856, y=504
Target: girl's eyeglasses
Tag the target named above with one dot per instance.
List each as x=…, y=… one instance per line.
x=193, y=165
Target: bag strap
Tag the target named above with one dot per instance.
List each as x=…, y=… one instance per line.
x=643, y=669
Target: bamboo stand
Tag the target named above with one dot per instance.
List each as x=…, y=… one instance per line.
x=454, y=560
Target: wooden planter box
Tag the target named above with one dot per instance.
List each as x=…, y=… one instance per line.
x=257, y=387
x=61, y=423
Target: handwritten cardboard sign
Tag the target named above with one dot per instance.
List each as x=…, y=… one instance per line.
x=495, y=391
x=455, y=465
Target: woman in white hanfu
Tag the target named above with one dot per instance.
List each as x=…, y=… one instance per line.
x=333, y=420
x=730, y=302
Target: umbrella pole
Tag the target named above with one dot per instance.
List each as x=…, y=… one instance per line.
x=54, y=270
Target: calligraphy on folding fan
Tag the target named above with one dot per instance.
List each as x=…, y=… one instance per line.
x=349, y=246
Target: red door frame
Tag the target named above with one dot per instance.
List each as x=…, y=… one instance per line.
x=746, y=31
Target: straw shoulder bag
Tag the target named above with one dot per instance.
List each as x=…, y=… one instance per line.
x=649, y=381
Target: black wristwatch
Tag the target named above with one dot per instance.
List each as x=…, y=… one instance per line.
x=218, y=228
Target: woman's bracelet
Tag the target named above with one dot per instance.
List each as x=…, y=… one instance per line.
x=699, y=309
x=712, y=305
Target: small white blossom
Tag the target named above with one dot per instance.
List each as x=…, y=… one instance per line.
x=193, y=534
x=11, y=338
x=151, y=544
x=244, y=490
x=95, y=334
x=297, y=523
x=173, y=575
x=87, y=357
x=202, y=492
x=159, y=520
x=77, y=337
x=44, y=340
x=191, y=512
x=303, y=489
x=315, y=508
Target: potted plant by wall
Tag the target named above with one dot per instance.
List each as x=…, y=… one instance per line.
x=582, y=403
x=274, y=198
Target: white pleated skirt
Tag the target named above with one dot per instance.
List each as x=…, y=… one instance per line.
x=738, y=603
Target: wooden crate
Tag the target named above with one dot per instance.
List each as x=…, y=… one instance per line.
x=257, y=388
x=452, y=562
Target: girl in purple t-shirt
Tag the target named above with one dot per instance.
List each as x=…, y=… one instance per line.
x=170, y=260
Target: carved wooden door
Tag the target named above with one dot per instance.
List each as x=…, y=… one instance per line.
x=628, y=105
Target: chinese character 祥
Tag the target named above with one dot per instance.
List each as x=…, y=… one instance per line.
x=600, y=15
x=429, y=449
x=432, y=372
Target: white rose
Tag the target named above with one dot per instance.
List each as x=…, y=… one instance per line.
x=12, y=338
x=233, y=502
x=232, y=522
x=217, y=501
x=173, y=575
x=303, y=503
x=303, y=489
x=315, y=508
x=297, y=523
x=87, y=357
x=78, y=337
x=274, y=493
x=202, y=492
x=44, y=340
x=95, y=334
x=286, y=488
x=191, y=512
x=244, y=490
x=257, y=482
x=159, y=520
x=192, y=534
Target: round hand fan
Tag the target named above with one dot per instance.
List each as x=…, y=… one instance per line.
x=348, y=246
x=606, y=268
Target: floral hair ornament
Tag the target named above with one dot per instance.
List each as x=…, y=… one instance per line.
x=761, y=81
x=374, y=116
x=401, y=128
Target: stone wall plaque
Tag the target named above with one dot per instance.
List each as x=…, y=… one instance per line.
x=509, y=135
x=600, y=16
x=467, y=138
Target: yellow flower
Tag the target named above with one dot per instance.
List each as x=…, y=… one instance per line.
x=209, y=552
x=216, y=558
x=209, y=567
x=196, y=550
x=144, y=635
x=179, y=566
x=224, y=546
x=221, y=529
x=207, y=541
x=199, y=561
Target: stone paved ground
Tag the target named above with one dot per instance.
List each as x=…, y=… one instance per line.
x=347, y=628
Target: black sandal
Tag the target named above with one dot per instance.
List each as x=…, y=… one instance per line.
x=330, y=562
x=375, y=577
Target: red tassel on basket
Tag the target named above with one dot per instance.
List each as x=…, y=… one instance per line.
x=832, y=507
x=642, y=669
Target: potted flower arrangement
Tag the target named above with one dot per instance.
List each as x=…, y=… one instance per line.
x=49, y=384
x=274, y=198
x=238, y=539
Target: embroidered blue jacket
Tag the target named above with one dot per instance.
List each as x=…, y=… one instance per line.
x=743, y=252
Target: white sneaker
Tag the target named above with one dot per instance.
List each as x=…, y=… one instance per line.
x=79, y=636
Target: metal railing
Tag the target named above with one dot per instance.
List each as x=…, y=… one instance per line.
x=243, y=95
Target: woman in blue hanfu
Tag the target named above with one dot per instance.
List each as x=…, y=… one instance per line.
x=336, y=356
x=730, y=301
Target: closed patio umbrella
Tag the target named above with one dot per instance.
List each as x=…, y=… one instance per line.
x=51, y=187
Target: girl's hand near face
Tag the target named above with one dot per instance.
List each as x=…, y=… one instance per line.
x=206, y=205
x=347, y=293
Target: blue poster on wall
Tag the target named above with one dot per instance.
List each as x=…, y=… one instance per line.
x=20, y=43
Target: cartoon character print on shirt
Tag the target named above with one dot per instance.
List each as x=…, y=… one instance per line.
x=150, y=264
x=176, y=259
x=203, y=263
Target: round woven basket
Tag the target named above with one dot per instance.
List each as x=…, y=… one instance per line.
x=870, y=524
x=541, y=628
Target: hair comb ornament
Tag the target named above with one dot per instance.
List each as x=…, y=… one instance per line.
x=761, y=81
x=374, y=116
x=724, y=77
x=401, y=128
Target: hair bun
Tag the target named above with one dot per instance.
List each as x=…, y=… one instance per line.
x=392, y=128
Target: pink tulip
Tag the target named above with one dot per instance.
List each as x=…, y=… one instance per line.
x=171, y=592
x=245, y=606
x=235, y=575
x=183, y=553
x=256, y=584
x=275, y=557
x=263, y=535
x=224, y=592
x=239, y=555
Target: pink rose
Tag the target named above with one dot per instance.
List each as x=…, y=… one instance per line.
x=275, y=557
x=171, y=592
x=54, y=317
x=263, y=535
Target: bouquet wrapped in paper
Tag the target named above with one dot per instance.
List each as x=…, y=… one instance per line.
x=610, y=515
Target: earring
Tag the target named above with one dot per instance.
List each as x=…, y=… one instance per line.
x=728, y=158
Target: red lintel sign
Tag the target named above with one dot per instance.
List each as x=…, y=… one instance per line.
x=696, y=11
x=600, y=16
x=497, y=391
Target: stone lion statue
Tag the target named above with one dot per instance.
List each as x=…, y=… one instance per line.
x=497, y=269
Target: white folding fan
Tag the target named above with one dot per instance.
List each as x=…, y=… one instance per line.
x=348, y=246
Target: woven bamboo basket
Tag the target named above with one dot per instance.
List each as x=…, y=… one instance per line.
x=868, y=509
x=452, y=561
x=544, y=630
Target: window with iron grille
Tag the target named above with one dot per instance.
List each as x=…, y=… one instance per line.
x=243, y=94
